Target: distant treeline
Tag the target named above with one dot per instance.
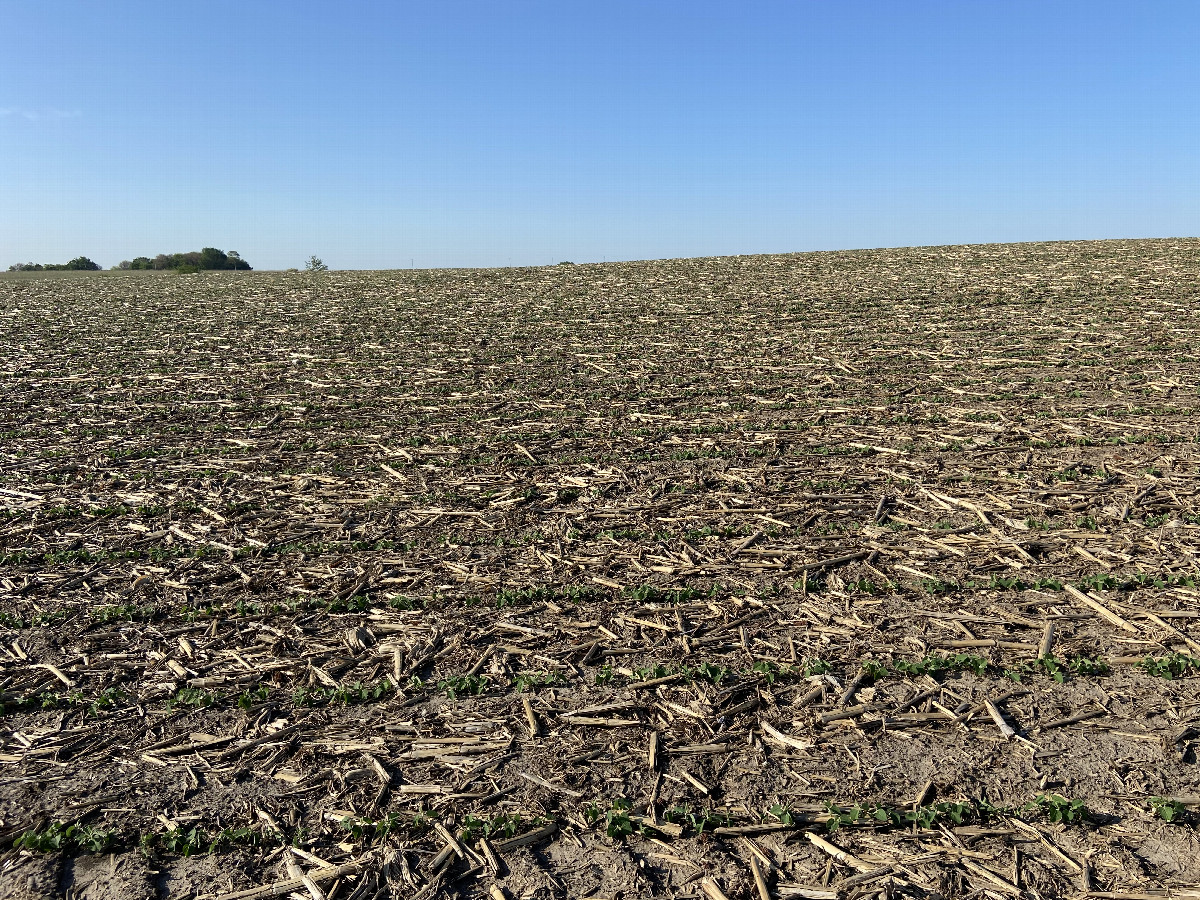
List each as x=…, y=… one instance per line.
x=210, y=258
x=197, y=260
x=78, y=264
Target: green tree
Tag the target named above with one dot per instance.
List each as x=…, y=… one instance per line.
x=209, y=258
x=212, y=258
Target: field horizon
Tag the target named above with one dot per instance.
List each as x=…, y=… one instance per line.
x=678, y=259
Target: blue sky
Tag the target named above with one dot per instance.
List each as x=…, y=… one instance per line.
x=453, y=133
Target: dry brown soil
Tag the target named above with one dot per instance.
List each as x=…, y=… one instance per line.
x=864, y=570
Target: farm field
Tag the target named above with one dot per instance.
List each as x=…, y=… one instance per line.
x=827, y=575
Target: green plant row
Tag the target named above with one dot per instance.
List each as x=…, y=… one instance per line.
x=1058, y=669
x=1052, y=807
x=195, y=840
x=106, y=699
x=1174, y=665
x=499, y=827
x=346, y=695
x=1098, y=582
x=67, y=837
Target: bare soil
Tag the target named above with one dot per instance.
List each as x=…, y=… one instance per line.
x=874, y=572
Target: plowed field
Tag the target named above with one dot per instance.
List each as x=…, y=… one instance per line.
x=826, y=575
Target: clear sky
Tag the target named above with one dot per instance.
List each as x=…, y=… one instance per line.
x=454, y=133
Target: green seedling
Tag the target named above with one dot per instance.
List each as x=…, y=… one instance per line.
x=184, y=843
x=60, y=836
x=347, y=695
x=709, y=818
x=767, y=669
x=247, y=699
x=463, y=684
x=370, y=829
x=1058, y=809
x=1166, y=809
x=936, y=664
x=650, y=673
x=873, y=670
x=815, y=666
x=530, y=681
x=782, y=814
x=502, y=826
x=710, y=673
x=617, y=823
x=193, y=697
x=106, y=699
x=840, y=817
x=1176, y=665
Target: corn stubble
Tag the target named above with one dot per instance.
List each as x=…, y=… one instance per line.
x=821, y=575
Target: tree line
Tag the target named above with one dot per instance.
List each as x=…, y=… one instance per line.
x=78, y=264
x=207, y=259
